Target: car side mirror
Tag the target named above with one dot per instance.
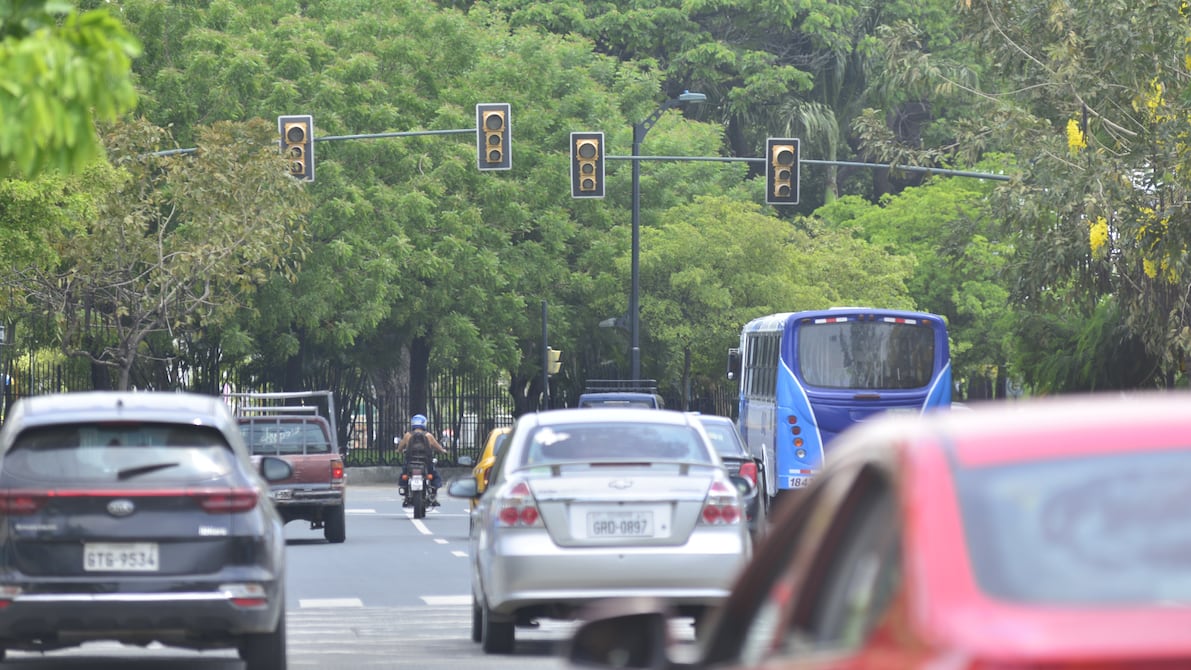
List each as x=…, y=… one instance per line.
x=274, y=469
x=463, y=487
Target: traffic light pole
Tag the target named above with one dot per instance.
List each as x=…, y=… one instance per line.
x=639, y=130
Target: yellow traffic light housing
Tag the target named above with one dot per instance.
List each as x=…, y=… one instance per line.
x=553, y=361
x=297, y=144
x=587, y=165
x=781, y=171
x=492, y=136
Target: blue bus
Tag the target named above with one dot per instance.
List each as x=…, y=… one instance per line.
x=807, y=376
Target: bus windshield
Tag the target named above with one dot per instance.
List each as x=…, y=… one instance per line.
x=866, y=355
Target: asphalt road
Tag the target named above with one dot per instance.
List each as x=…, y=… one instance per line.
x=396, y=594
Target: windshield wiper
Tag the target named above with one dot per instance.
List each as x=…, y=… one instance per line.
x=129, y=473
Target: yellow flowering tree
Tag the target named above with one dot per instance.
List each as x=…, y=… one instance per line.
x=1094, y=105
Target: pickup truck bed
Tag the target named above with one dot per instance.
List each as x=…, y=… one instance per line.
x=317, y=490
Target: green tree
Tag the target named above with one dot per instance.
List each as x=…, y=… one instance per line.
x=714, y=264
x=1092, y=105
x=61, y=71
x=173, y=242
x=960, y=255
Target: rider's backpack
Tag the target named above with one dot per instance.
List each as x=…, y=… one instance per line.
x=418, y=444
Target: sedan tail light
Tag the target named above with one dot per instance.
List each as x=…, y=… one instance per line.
x=516, y=508
x=722, y=507
x=748, y=470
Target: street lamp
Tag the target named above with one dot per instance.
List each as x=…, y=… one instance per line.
x=639, y=131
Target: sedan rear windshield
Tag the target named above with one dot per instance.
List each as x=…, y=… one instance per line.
x=1105, y=529
x=725, y=439
x=87, y=453
x=615, y=442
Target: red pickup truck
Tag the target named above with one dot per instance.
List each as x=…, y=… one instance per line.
x=299, y=434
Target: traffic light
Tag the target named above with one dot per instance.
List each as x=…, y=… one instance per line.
x=553, y=361
x=297, y=144
x=492, y=136
x=587, y=165
x=781, y=171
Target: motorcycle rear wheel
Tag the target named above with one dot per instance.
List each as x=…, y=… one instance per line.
x=419, y=502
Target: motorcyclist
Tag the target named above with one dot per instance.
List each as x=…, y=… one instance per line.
x=418, y=428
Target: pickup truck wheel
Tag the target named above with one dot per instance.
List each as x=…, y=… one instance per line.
x=335, y=525
x=265, y=651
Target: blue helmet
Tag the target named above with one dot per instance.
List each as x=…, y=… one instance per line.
x=419, y=421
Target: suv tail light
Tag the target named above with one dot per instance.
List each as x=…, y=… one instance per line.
x=19, y=503
x=722, y=507
x=226, y=501
x=748, y=470
x=516, y=508
x=212, y=501
x=336, y=469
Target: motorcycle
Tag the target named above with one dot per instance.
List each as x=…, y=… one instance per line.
x=418, y=487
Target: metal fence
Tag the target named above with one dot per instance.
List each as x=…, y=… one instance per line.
x=462, y=408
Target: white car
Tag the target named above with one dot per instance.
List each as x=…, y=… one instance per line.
x=587, y=504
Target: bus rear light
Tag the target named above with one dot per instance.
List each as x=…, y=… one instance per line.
x=800, y=454
x=795, y=430
x=791, y=419
x=798, y=441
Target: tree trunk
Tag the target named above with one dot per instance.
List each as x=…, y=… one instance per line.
x=419, y=374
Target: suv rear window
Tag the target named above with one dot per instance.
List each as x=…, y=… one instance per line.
x=279, y=437
x=80, y=453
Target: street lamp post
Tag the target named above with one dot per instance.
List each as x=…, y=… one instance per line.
x=639, y=131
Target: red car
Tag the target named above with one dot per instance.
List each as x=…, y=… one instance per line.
x=1040, y=535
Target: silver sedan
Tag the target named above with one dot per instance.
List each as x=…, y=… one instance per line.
x=587, y=504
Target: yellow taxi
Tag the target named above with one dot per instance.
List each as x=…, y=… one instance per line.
x=492, y=447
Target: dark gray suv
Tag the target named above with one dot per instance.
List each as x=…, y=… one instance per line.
x=138, y=517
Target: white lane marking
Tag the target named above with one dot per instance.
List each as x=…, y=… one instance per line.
x=331, y=602
x=460, y=554
x=447, y=600
x=419, y=525
x=361, y=511
x=439, y=540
